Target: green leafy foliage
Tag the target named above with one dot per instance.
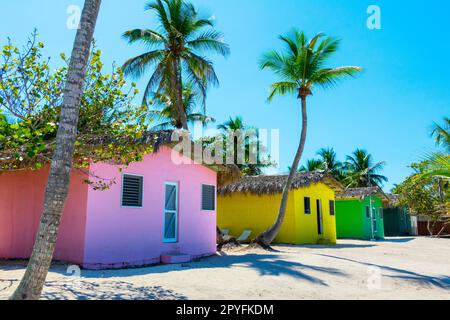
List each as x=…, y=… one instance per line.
x=424, y=195
x=110, y=127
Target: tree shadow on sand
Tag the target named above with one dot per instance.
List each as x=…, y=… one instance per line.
x=337, y=246
x=108, y=290
x=442, y=282
x=264, y=264
x=397, y=239
x=77, y=289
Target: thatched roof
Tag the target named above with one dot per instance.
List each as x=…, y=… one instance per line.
x=393, y=200
x=361, y=193
x=274, y=184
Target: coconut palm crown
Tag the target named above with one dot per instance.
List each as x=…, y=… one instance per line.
x=302, y=66
x=174, y=50
x=361, y=170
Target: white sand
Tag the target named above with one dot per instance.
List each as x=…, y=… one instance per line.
x=398, y=268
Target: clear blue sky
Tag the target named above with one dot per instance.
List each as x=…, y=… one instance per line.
x=388, y=110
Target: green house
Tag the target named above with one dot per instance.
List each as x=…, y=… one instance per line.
x=359, y=213
x=397, y=222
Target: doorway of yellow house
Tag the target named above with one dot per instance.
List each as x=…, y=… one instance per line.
x=319, y=217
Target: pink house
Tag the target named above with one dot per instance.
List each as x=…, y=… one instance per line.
x=157, y=211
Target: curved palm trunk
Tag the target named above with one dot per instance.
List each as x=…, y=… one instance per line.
x=267, y=237
x=178, y=85
x=33, y=281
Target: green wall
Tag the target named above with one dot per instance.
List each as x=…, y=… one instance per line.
x=351, y=220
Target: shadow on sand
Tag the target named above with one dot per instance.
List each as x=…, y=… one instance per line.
x=337, y=246
x=108, y=290
x=397, y=239
x=265, y=264
x=436, y=281
x=78, y=289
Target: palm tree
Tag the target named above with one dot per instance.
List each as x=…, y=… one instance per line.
x=332, y=165
x=312, y=165
x=233, y=126
x=441, y=134
x=437, y=165
x=175, y=52
x=33, y=281
x=165, y=114
x=361, y=170
x=300, y=69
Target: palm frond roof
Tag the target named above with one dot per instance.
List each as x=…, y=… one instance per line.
x=361, y=193
x=274, y=184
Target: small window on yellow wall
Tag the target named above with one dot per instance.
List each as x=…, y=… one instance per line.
x=332, y=208
x=307, y=203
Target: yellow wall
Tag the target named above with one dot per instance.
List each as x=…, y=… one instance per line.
x=239, y=212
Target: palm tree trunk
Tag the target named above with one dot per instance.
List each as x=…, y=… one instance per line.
x=178, y=85
x=33, y=281
x=267, y=237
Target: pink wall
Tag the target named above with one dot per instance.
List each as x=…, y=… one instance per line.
x=21, y=204
x=117, y=237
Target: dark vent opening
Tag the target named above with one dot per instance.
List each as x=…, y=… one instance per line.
x=132, y=191
x=208, y=198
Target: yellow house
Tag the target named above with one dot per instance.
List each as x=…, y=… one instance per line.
x=253, y=203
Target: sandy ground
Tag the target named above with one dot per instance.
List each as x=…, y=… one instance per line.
x=398, y=268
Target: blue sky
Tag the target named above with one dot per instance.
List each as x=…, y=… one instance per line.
x=388, y=110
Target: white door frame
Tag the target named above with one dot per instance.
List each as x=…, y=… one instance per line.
x=176, y=211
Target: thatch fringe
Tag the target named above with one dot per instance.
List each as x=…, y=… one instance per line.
x=274, y=184
x=361, y=193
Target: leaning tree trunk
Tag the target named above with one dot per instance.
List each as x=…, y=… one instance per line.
x=178, y=86
x=33, y=281
x=266, y=238
x=438, y=235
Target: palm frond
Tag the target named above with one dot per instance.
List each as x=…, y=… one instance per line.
x=137, y=66
x=146, y=36
x=282, y=88
x=210, y=40
x=330, y=77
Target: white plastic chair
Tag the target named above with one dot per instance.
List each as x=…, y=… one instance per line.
x=244, y=236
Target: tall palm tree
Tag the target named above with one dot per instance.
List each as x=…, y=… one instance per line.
x=312, y=165
x=441, y=134
x=301, y=68
x=165, y=115
x=233, y=125
x=361, y=170
x=175, y=51
x=32, y=283
x=332, y=165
